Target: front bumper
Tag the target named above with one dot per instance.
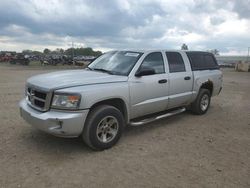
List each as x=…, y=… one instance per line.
x=55, y=122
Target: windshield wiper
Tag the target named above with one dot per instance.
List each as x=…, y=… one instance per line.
x=102, y=70
x=89, y=68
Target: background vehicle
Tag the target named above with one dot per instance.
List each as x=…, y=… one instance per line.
x=120, y=88
x=56, y=60
x=6, y=56
x=20, y=59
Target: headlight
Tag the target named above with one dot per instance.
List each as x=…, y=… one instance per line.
x=66, y=101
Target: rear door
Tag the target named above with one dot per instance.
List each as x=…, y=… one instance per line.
x=149, y=94
x=180, y=79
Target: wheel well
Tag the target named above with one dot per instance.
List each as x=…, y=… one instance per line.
x=117, y=103
x=208, y=85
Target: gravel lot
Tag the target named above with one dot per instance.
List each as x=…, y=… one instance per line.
x=212, y=150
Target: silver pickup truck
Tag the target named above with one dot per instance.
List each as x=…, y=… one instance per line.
x=120, y=88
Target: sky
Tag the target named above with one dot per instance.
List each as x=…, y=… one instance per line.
x=126, y=24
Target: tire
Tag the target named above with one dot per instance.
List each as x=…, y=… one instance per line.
x=103, y=127
x=201, y=103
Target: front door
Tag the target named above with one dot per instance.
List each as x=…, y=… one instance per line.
x=149, y=94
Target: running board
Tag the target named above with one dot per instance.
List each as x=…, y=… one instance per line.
x=148, y=120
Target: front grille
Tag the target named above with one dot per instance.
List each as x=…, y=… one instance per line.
x=38, y=99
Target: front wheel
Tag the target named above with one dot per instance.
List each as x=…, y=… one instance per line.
x=202, y=102
x=103, y=127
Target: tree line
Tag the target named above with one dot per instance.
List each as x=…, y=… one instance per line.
x=87, y=51
x=70, y=52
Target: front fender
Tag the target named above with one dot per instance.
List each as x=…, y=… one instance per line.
x=92, y=94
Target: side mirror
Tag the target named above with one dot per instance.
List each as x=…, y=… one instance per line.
x=144, y=71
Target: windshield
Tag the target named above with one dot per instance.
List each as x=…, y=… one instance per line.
x=116, y=62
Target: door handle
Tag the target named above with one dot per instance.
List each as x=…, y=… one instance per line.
x=162, y=81
x=187, y=78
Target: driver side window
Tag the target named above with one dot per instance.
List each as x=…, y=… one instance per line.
x=155, y=61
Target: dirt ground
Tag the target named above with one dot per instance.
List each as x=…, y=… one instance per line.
x=212, y=150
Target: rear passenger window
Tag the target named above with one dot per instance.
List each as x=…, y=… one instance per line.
x=175, y=62
x=202, y=61
x=154, y=60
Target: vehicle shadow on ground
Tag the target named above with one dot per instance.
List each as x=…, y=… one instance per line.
x=170, y=121
x=45, y=143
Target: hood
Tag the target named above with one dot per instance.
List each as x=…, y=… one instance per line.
x=71, y=78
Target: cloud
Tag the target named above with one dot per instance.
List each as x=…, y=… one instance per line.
x=242, y=8
x=119, y=24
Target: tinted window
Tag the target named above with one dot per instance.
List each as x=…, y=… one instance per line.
x=175, y=62
x=210, y=61
x=196, y=60
x=202, y=61
x=154, y=60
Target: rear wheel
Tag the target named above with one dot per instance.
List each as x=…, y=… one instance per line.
x=202, y=102
x=103, y=127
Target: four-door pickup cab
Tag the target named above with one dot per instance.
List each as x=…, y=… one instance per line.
x=120, y=88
